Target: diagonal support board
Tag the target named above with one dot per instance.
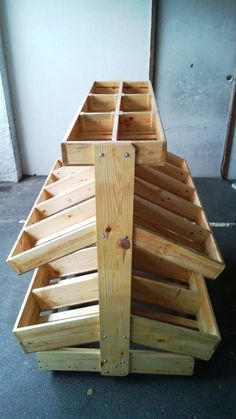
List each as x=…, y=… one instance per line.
x=114, y=176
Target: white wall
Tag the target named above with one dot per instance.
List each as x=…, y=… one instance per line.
x=54, y=50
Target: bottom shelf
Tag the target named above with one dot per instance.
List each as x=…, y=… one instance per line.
x=141, y=362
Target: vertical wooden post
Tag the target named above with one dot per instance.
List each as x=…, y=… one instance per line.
x=114, y=177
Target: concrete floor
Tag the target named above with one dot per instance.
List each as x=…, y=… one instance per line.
x=26, y=392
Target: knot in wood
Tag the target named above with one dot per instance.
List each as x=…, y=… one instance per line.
x=124, y=243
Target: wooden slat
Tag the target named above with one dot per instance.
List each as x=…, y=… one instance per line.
x=156, y=216
x=176, y=253
x=165, y=295
x=66, y=199
x=173, y=171
x=44, y=253
x=70, y=359
x=145, y=261
x=68, y=292
x=62, y=220
x=69, y=314
x=166, y=317
x=71, y=181
x=172, y=338
x=151, y=362
x=88, y=359
x=65, y=171
x=58, y=334
x=167, y=200
x=114, y=174
x=81, y=261
x=164, y=181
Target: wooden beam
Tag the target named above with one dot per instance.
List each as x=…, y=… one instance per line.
x=81, y=261
x=88, y=359
x=114, y=174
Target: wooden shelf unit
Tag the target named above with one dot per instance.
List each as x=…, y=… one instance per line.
x=116, y=111
x=120, y=248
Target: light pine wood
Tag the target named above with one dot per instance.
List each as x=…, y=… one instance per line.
x=114, y=175
x=164, y=336
x=74, y=240
x=141, y=362
x=68, y=292
x=165, y=295
x=176, y=253
x=81, y=261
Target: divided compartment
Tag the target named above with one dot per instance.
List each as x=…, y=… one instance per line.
x=136, y=103
x=100, y=103
x=137, y=126
x=93, y=127
x=104, y=117
x=136, y=87
x=105, y=87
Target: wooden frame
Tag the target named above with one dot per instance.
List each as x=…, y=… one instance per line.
x=116, y=111
x=120, y=248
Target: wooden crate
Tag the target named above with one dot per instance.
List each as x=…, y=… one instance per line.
x=61, y=310
x=169, y=221
x=116, y=111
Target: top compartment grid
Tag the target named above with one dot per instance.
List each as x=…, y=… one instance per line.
x=117, y=111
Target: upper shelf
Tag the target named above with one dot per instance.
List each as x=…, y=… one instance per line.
x=116, y=111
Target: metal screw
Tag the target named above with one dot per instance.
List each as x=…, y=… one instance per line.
x=123, y=373
x=126, y=155
x=122, y=361
x=103, y=236
x=124, y=337
x=101, y=155
x=114, y=366
x=126, y=237
x=106, y=371
x=104, y=337
x=104, y=361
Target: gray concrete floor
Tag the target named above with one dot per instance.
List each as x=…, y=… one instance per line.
x=26, y=392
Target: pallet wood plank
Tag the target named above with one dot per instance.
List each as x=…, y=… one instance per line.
x=114, y=174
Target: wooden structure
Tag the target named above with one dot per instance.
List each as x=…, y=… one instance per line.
x=120, y=243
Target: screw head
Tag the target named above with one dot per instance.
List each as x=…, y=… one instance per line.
x=123, y=373
x=122, y=362
x=104, y=337
x=103, y=236
x=126, y=155
x=114, y=366
x=101, y=155
x=104, y=361
x=106, y=371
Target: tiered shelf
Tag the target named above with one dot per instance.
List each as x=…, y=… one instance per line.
x=120, y=248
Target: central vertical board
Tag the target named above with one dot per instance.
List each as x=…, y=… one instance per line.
x=114, y=175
